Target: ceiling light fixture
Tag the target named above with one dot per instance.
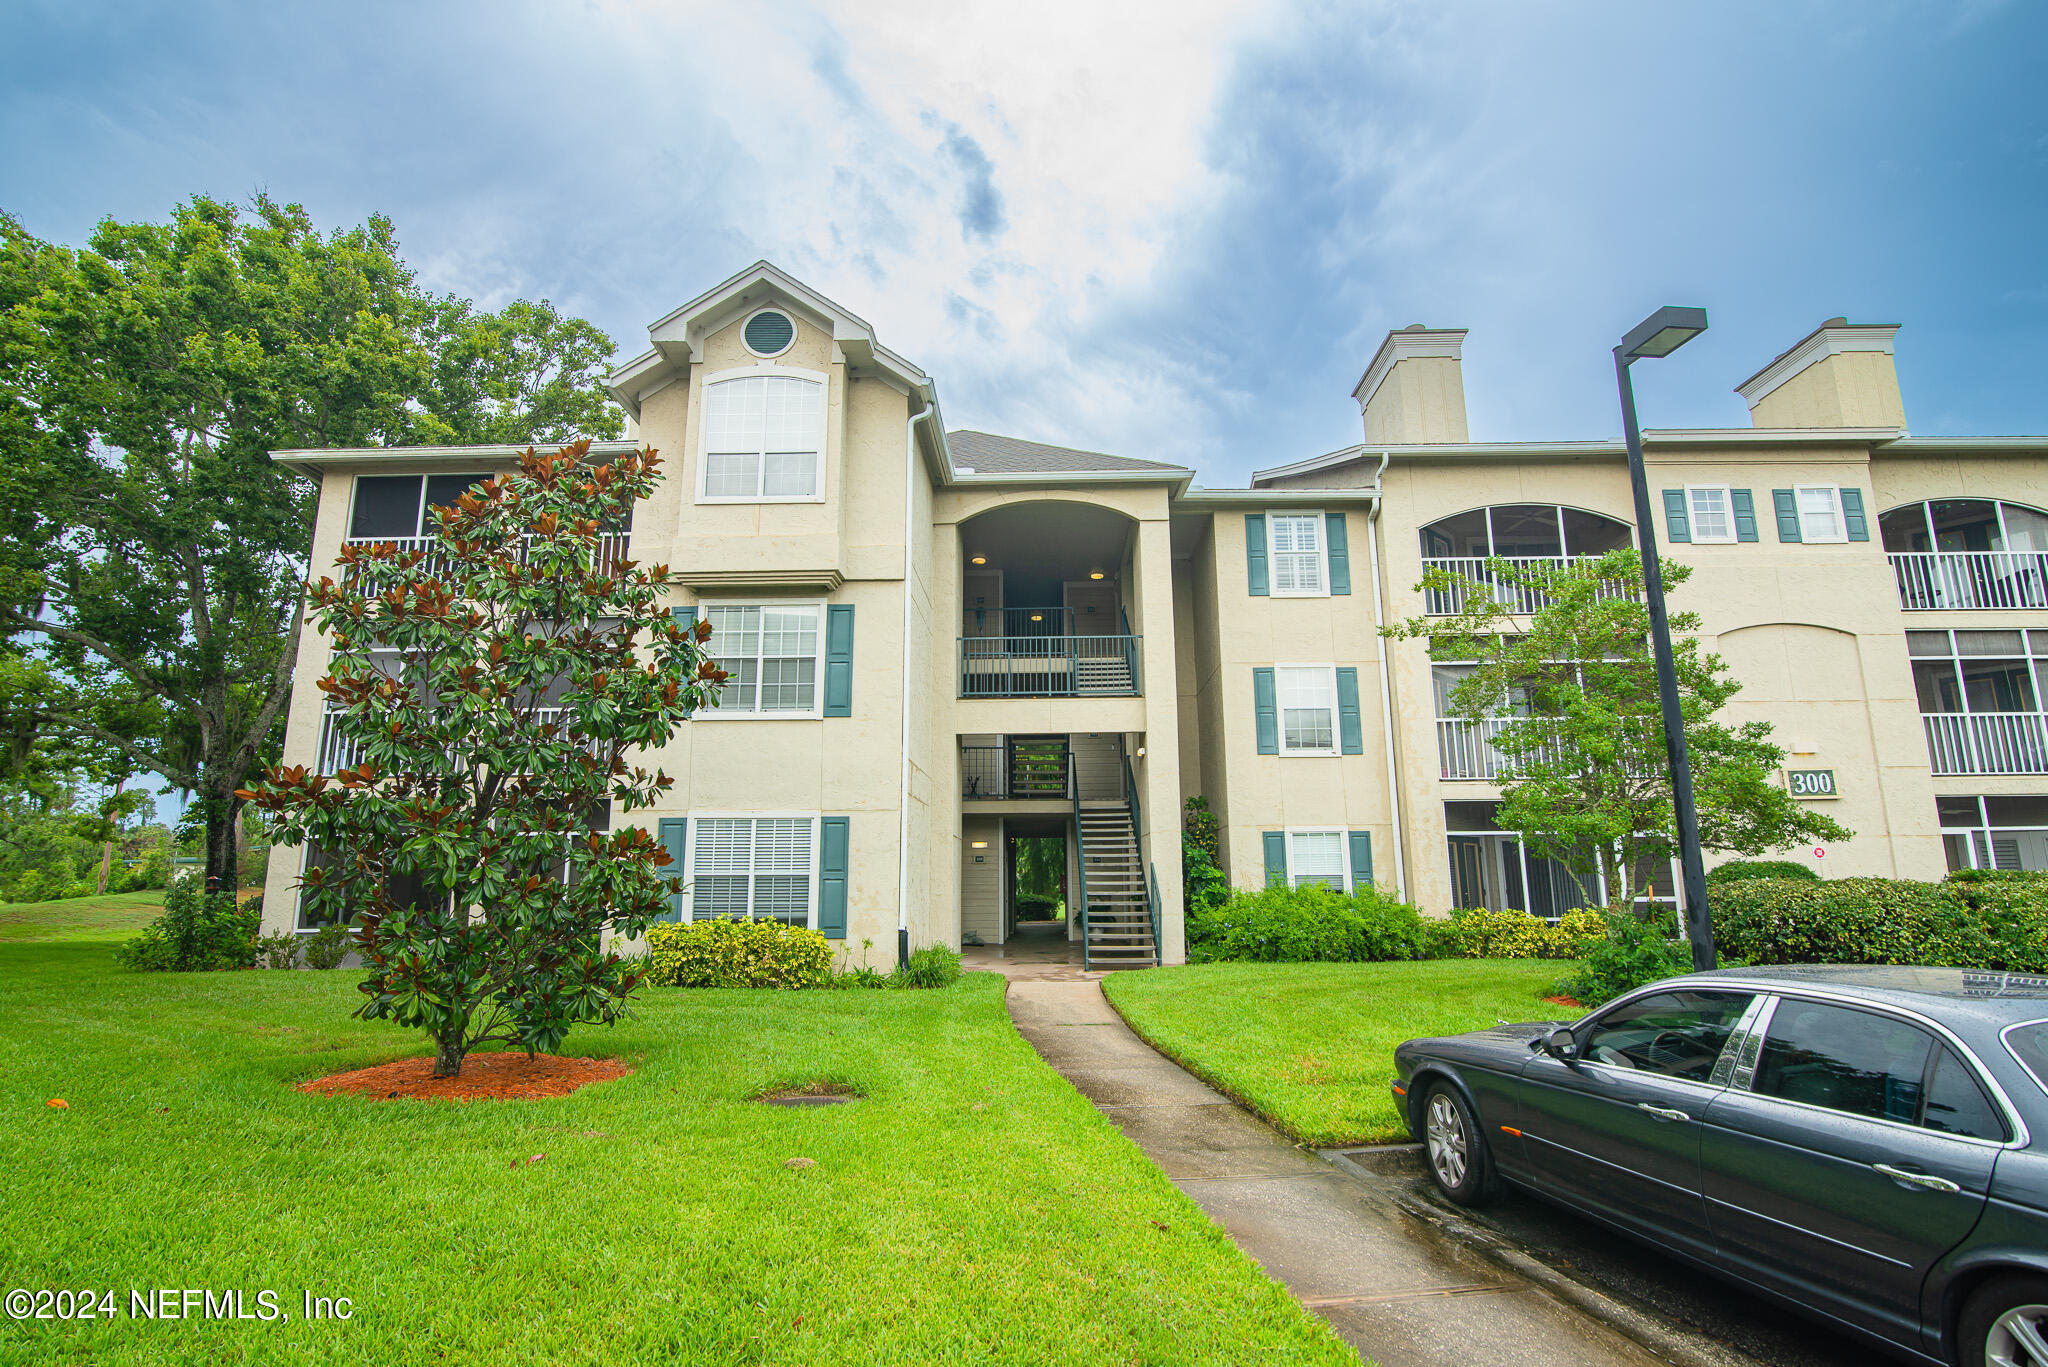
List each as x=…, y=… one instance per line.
x=980, y=560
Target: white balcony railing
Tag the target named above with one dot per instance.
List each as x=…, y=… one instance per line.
x=1521, y=599
x=611, y=547
x=338, y=751
x=1987, y=742
x=1933, y=580
x=1466, y=750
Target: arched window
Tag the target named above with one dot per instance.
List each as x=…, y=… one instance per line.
x=1524, y=531
x=1968, y=553
x=762, y=439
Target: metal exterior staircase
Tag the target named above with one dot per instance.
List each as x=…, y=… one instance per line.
x=1117, y=917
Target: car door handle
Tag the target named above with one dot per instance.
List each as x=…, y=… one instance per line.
x=1918, y=1179
x=1661, y=1112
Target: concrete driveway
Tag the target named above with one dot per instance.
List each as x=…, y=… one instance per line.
x=1406, y=1284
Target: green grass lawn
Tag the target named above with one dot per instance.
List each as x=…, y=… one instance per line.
x=1311, y=1046
x=972, y=1207
x=112, y=918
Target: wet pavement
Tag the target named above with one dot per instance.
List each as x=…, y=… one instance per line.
x=1390, y=1278
x=1664, y=1296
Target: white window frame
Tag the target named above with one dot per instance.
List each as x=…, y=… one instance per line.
x=769, y=371
x=1834, y=492
x=747, y=322
x=1343, y=852
x=1273, y=554
x=1329, y=672
x=817, y=707
x=692, y=846
x=1692, y=512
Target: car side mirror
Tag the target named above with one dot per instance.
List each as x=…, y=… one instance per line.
x=1561, y=1045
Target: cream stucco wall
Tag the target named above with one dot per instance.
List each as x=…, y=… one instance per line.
x=1422, y=399
x=1848, y=389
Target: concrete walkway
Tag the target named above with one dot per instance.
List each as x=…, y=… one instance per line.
x=1399, y=1291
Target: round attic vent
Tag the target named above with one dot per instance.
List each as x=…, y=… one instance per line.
x=769, y=333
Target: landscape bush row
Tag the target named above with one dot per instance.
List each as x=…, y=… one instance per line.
x=1975, y=919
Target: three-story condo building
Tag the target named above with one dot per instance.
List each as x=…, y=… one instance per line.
x=943, y=641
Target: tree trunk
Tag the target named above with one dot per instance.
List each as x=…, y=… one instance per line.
x=448, y=1053
x=107, y=850
x=221, y=820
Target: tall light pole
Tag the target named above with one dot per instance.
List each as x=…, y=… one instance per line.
x=1662, y=333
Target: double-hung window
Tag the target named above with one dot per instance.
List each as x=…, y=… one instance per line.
x=1307, y=696
x=1711, y=510
x=762, y=439
x=1319, y=857
x=1300, y=553
x=1820, y=512
x=754, y=866
x=771, y=652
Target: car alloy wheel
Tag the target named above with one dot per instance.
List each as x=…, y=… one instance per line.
x=2018, y=1338
x=1449, y=1145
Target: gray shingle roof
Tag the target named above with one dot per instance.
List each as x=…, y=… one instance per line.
x=987, y=454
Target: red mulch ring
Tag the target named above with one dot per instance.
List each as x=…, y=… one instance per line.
x=1566, y=1001
x=484, y=1077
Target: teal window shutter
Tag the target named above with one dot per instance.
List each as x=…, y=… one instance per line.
x=839, y=660
x=1255, y=554
x=1276, y=857
x=673, y=832
x=1340, y=553
x=832, y=877
x=1350, y=731
x=1361, y=858
x=1745, y=514
x=1677, y=524
x=688, y=616
x=1788, y=514
x=1852, y=515
x=1266, y=702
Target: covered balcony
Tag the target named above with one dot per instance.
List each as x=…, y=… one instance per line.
x=1044, y=606
x=1981, y=700
x=399, y=509
x=1533, y=538
x=1969, y=554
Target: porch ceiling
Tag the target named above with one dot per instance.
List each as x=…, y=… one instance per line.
x=1050, y=540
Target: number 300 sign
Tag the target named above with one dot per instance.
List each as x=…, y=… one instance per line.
x=1811, y=782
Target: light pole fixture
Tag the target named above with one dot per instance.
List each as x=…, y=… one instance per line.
x=1662, y=333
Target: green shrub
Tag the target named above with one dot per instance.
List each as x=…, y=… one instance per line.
x=1629, y=952
x=199, y=932
x=278, y=951
x=156, y=866
x=1309, y=924
x=931, y=966
x=1202, y=882
x=1741, y=870
x=328, y=946
x=1981, y=923
x=1038, y=906
x=722, y=953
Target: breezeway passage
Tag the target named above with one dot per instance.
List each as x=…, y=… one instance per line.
x=1395, y=1287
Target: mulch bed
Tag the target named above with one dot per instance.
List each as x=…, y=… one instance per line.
x=484, y=1077
x=1566, y=1002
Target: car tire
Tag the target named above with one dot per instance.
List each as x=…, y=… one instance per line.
x=1985, y=1335
x=1459, y=1158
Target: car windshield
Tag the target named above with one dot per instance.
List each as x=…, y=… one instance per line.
x=2029, y=1044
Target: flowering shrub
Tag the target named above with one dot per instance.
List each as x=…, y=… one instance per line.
x=722, y=953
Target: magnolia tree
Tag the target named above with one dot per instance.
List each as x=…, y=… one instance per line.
x=482, y=695
x=1567, y=698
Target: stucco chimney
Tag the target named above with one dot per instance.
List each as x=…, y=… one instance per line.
x=1839, y=375
x=1414, y=390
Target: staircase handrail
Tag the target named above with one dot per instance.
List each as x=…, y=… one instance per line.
x=1081, y=867
x=1152, y=905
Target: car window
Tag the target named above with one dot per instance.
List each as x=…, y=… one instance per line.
x=2029, y=1044
x=1678, y=1034
x=1858, y=1062
x=1956, y=1103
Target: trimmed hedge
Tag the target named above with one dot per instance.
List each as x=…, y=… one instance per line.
x=1742, y=870
x=1479, y=933
x=722, y=953
x=1309, y=924
x=1993, y=923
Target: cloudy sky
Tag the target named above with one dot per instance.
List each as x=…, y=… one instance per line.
x=1166, y=230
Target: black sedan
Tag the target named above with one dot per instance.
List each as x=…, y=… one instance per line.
x=1868, y=1145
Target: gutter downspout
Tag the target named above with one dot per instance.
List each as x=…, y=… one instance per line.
x=903, y=795
x=1379, y=608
